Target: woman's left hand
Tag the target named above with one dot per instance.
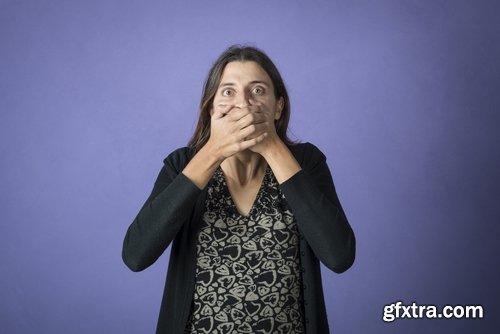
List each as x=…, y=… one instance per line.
x=272, y=137
x=273, y=149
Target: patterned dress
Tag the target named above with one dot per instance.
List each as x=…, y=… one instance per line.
x=248, y=267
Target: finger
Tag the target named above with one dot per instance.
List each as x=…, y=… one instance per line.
x=243, y=145
x=239, y=111
x=252, y=131
x=224, y=108
x=251, y=118
x=251, y=108
x=259, y=106
x=252, y=142
x=221, y=110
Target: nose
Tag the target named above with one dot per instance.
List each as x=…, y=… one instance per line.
x=242, y=100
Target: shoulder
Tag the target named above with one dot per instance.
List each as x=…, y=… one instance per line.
x=179, y=158
x=307, y=154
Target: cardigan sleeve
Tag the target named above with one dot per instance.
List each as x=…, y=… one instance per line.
x=167, y=208
x=313, y=200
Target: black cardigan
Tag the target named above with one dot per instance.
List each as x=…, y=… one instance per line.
x=173, y=212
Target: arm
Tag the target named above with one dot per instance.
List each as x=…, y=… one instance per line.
x=230, y=128
x=313, y=200
x=162, y=215
x=175, y=192
x=309, y=190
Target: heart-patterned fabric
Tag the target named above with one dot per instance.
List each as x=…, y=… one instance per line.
x=248, y=267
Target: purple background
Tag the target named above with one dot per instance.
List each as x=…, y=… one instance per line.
x=402, y=97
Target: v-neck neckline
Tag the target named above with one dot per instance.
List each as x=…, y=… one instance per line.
x=230, y=199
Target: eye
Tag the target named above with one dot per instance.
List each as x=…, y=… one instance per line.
x=258, y=90
x=227, y=92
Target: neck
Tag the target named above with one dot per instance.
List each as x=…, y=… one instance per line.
x=243, y=167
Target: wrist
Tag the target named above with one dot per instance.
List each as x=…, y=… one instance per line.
x=212, y=153
x=281, y=160
x=274, y=147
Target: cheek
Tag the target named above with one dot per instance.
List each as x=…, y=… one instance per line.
x=268, y=101
x=222, y=99
x=217, y=101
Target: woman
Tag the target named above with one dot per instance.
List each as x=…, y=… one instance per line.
x=249, y=213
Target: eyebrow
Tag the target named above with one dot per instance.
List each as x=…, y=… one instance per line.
x=225, y=84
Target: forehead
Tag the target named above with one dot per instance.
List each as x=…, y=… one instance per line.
x=244, y=71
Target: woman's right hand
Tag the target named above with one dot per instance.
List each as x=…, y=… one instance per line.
x=232, y=130
x=235, y=129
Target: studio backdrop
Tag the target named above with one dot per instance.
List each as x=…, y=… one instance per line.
x=401, y=96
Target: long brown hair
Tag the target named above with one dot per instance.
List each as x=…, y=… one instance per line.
x=239, y=53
